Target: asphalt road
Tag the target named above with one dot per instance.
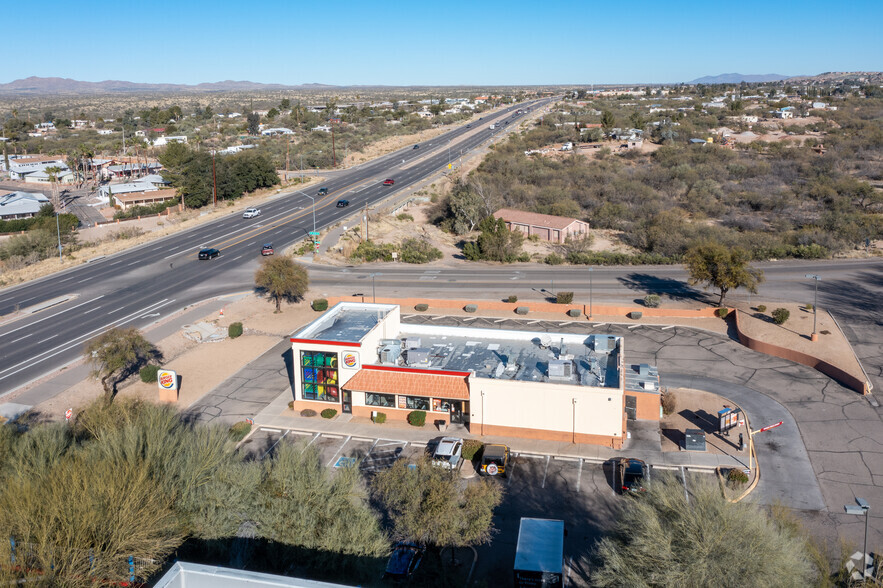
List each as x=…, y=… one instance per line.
x=141, y=285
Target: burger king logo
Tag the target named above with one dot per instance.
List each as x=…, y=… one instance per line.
x=350, y=360
x=168, y=380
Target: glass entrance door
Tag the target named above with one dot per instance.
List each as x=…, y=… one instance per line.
x=456, y=412
x=347, y=407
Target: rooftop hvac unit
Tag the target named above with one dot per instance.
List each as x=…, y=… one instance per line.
x=390, y=354
x=644, y=369
x=601, y=343
x=649, y=385
x=385, y=342
x=498, y=371
x=560, y=369
x=411, y=342
x=418, y=355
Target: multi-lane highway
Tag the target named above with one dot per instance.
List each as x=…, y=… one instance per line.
x=141, y=285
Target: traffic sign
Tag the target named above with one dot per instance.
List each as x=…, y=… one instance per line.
x=68, y=414
x=314, y=232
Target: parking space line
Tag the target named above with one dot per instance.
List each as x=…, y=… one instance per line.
x=545, y=471
x=338, y=451
x=271, y=430
x=330, y=436
x=391, y=443
x=565, y=458
x=684, y=478
x=304, y=433
x=363, y=439
x=579, y=476
x=274, y=445
x=416, y=444
x=372, y=447
x=315, y=436
x=532, y=455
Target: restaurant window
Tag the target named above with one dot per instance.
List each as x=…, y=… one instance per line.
x=319, y=376
x=416, y=403
x=387, y=400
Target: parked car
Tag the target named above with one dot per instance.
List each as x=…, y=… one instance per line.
x=494, y=460
x=251, y=213
x=632, y=473
x=388, y=182
x=267, y=249
x=403, y=561
x=323, y=191
x=448, y=453
x=209, y=253
x=416, y=147
x=343, y=203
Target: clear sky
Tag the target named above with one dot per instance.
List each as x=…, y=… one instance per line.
x=453, y=42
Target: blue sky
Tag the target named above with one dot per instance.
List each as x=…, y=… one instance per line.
x=438, y=43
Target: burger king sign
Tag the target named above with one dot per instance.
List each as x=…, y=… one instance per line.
x=351, y=359
x=167, y=380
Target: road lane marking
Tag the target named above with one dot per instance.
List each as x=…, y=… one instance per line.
x=93, y=310
x=133, y=263
x=52, y=315
x=20, y=338
x=117, y=310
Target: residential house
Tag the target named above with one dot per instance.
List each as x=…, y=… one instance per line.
x=65, y=176
x=322, y=129
x=127, y=200
x=105, y=131
x=163, y=140
x=17, y=205
x=106, y=191
x=235, y=149
x=276, y=131
x=545, y=226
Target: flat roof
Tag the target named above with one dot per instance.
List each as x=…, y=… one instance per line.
x=524, y=356
x=540, y=546
x=190, y=575
x=642, y=378
x=345, y=322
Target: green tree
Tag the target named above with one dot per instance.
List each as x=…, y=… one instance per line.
x=280, y=278
x=254, y=122
x=608, y=121
x=285, y=104
x=495, y=243
x=724, y=268
x=117, y=354
x=272, y=113
x=428, y=505
x=664, y=539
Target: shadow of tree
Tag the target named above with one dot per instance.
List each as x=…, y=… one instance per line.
x=854, y=299
x=670, y=287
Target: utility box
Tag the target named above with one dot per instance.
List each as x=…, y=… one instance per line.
x=539, y=556
x=694, y=440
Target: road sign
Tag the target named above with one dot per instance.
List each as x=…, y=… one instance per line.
x=314, y=232
x=68, y=414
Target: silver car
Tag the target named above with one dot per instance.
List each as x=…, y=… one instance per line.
x=448, y=453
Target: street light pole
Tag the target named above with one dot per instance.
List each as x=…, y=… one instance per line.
x=58, y=229
x=590, y=292
x=863, y=509
x=815, y=304
x=313, y=200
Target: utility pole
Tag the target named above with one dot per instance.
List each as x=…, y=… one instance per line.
x=287, y=157
x=367, y=235
x=333, y=153
x=815, y=304
x=214, y=182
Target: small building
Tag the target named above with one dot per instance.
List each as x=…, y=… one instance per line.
x=546, y=226
x=106, y=191
x=276, y=131
x=105, y=131
x=65, y=176
x=183, y=574
x=162, y=141
x=322, y=129
x=22, y=165
x=127, y=200
x=235, y=149
x=18, y=205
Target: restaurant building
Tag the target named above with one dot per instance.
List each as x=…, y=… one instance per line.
x=359, y=358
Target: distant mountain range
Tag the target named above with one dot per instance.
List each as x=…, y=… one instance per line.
x=735, y=78
x=35, y=85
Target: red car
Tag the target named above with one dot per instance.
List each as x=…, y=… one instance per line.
x=389, y=182
x=267, y=249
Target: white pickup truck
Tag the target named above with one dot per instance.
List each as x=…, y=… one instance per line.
x=492, y=127
x=251, y=213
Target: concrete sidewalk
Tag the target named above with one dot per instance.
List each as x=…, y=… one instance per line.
x=273, y=416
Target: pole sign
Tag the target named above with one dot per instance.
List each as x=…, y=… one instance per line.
x=68, y=414
x=167, y=380
x=727, y=419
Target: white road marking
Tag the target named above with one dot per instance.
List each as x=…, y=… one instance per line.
x=20, y=338
x=334, y=458
x=84, y=280
x=274, y=445
x=579, y=476
x=46, y=339
x=93, y=310
x=684, y=478
x=133, y=263
x=52, y=316
x=545, y=471
x=117, y=310
x=235, y=258
x=271, y=430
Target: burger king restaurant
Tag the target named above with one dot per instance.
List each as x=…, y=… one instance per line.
x=360, y=359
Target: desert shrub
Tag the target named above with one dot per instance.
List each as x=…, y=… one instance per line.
x=780, y=315
x=320, y=304
x=404, y=216
x=669, y=402
x=418, y=251
x=761, y=308
x=722, y=312
x=470, y=307
x=422, y=307
x=652, y=300
x=564, y=297
x=371, y=251
x=524, y=257
x=553, y=259
x=471, y=448
x=379, y=418
x=417, y=418
x=239, y=430
x=148, y=373
x=513, y=299
x=234, y=330
x=308, y=412
x=736, y=477
x=328, y=413
x=808, y=306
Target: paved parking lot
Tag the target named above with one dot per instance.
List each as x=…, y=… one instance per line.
x=580, y=492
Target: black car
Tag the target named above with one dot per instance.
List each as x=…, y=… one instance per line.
x=323, y=191
x=632, y=473
x=404, y=561
x=208, y=253
x=416, y=147
x=343, y=203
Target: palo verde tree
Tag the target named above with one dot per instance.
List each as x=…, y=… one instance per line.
x=724, y=268
x=664, y=539
x=428, y=505
x=282, y=279
x=117, y=354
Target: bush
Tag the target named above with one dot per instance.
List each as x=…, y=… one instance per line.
x=239, y=430
x=234, y=330
x=308, y=412
x=291, y=405
x=371, y=251
x=736, y=477
x=513, y=299
x=553, y=259
x=522, y=310
x=564, y=297
x=417, y=418
x=652, y=300
x=471, y=449
x=636, y=314
x=470, y=307
x=320, y=304
x=421, y=307
x=780, y=315
x=761, y=308
x=405, y=217
x=379, y=418
x=722, y=312
x=148, y=373
x=669, y=402
x=808, y=306
x=524, y=257
x=418, y=251
x=328, y=413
